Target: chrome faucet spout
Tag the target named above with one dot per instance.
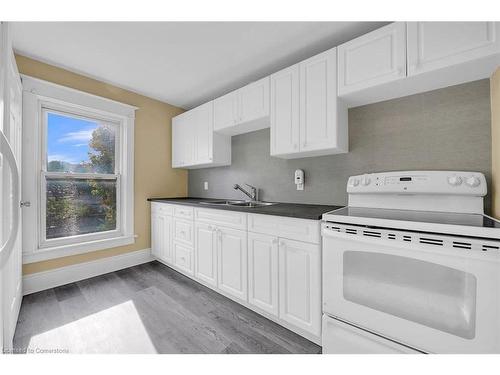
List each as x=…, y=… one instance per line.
x=253, y=194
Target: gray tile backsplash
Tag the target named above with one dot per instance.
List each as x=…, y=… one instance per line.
x=446, y=129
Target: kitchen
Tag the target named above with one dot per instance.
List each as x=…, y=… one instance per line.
x=336, y=196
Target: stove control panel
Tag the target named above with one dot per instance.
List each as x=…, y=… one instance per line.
x=419, y=182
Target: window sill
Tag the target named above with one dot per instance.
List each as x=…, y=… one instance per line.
x=75, y=249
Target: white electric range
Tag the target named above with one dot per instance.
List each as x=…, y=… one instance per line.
x=412, y=265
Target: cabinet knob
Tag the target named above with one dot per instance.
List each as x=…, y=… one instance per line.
x=295, y=146
x=304, y=144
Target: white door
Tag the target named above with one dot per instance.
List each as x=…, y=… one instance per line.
x=372, y=59
x=161, y=239
x=205, y=248
x=226, y=111
x=10, y=157
x=434, y=297
x=318, y=102
x=263, y=272
x=300, y=285
x=203, y=118
x=285, y=129
x=232, y=259
x=254, y=100
x=436, y=45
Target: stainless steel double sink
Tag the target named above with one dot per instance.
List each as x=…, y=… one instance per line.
x=237, y=203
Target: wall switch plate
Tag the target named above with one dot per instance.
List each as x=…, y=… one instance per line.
x=205, y=185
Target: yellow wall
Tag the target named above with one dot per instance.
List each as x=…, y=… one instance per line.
x=495, y=146
x=154, y=176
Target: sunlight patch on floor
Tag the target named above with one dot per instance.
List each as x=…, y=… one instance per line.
x=118, y=329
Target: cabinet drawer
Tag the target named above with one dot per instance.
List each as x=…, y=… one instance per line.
x=183, y=231
x=285, y=227
x=183, y=212
x=230, y=219
x=162, y=208
x=183, y=258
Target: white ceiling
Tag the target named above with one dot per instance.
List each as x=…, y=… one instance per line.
x=181, y=63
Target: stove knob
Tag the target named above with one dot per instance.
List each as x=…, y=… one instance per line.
x=365, y=181
x=473, y=181
x=354, y=182
x=455, y=180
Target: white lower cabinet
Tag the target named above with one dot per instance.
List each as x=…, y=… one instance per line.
x=263, y=272
x=205, y=253
x=300, y=284
x=161, y=236
x=232, y=259
x=248, y=258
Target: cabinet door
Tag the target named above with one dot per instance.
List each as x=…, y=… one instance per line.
x=372, y=59
x=203, y=134
x=232, y=259
x=225, y=111
x=300, y=285
x=254, y=101
x=436, y=45
x=263, y=272
x=183, y=139
x=285, y=111
x=205, y=254
x=318, y=102
x=161, y=237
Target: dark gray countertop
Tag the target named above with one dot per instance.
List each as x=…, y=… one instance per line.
x=301, y=211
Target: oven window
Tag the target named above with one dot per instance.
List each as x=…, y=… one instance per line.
x=426, y=293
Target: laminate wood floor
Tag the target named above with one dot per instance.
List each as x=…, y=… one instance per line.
x=148, y=308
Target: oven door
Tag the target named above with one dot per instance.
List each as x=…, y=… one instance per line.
x=433, y=298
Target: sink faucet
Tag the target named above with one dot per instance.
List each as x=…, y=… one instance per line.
x=253, y=194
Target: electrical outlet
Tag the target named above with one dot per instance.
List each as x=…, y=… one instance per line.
x=205, y=185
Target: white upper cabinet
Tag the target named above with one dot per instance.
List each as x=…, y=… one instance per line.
x=194, y=143
x=243, y=110
x=307, y=118
x=182, y=140
x=372, y=59
x=437, y=45
x=226, y=111
x=254, y=101
x=285, y=111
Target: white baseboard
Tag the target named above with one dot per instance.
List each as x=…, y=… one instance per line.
x=37, y=282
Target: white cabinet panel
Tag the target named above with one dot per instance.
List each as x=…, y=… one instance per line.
x=231, y=219
x=161, y=237
x=318, y=102
x=254, y=101
x=372, y=59
x=226, y=111
x=286, y=227
x=183, y=140
x=203, y=133
x=183, y=258
x=300, y=285
x=183, y=212
x=205, y=254
x=183, y=231
x=437, y=45
x=263, y=272
x=285, y=111
x=232, y=259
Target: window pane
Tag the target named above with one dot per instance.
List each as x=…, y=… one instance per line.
x=78, y=145
x=80, y=206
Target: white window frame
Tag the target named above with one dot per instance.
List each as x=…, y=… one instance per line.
x=40, y=97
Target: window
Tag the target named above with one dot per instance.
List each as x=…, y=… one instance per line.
x=79, y=176
x=82, y=186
